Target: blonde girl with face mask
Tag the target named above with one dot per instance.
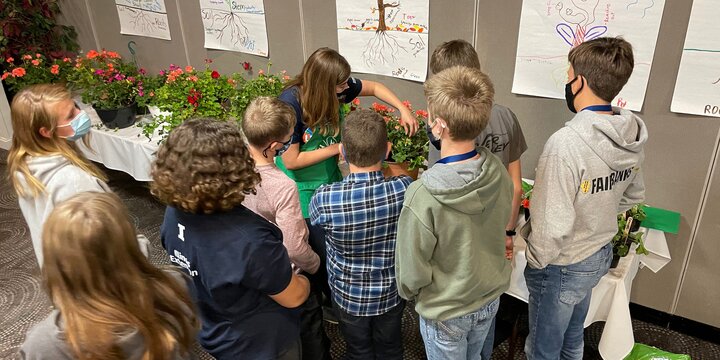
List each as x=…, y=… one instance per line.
x=110, y=302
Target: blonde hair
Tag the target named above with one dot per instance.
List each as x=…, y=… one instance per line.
x=606, y=63
x=323, y=71
x=33, y=109
x=103, y=285
x=204, y=166
x=267, y=119
x=463, y=97
x=454, y=53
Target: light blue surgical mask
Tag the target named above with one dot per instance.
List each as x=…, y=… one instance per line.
x=80, y=124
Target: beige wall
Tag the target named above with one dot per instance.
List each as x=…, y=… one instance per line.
x=679, y=153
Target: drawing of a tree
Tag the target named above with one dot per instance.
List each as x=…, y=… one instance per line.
x=383, y=47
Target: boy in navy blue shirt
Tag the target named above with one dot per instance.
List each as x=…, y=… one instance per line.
x=242, y=281
x=359, y=216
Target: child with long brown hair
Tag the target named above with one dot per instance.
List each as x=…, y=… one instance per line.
x=44, y=164
x=312, y=158
x=110, y=302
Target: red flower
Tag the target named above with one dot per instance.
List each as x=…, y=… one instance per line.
x=525, y=203
x=10, y=60
x=421, y=113
x=208, y=61
x=55, y=69
x=18, y=72
x=246, y=65
x=356, y=102
x=215, y=74
x=407, y=104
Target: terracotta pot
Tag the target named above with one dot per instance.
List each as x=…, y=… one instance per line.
x=396, y=169
x=118, y=118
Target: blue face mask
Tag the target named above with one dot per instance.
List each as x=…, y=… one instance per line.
x=80, y=124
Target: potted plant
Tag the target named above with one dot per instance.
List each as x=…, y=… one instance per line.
x=186, y=93
x=33, y=69
x=265, y=84
x=637, y=212
x=408, y=153
x=148, y=84
x=109, y=84
x=625, y=237
x=29, y=27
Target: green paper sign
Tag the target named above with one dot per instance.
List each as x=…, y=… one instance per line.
x=661, y=219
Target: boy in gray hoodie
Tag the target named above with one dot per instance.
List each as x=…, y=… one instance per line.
x=589, y=171
x=450, y=248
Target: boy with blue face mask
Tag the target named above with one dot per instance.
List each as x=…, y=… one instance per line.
x=268, y=126
x=589, y=171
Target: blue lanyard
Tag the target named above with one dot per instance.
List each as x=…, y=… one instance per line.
x=456, y=158
x=599, y=108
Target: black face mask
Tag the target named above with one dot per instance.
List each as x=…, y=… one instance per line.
x=433, y=141
x=280, y=151
x=569, y=96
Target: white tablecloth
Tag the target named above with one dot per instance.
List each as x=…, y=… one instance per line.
x=126, y=150
x=610, y=298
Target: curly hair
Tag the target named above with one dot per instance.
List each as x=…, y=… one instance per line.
x=204, y=166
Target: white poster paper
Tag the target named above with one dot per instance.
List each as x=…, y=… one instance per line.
x=237, y=25
x=143, y=18
x=697, y=89
x=549, y=29
x=385, y=38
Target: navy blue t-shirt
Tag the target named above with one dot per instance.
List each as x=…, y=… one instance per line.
x=292, y=97
x=236, y=259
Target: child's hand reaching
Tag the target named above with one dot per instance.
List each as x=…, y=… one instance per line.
x=408, y=121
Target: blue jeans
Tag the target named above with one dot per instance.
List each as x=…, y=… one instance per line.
x=459, y=338
x=559, y=301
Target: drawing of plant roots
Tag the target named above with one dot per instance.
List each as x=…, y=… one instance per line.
x=382, y=48
x=228, y=21
x=578, y=17
x=142, y=21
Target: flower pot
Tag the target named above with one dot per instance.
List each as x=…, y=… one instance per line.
x=396, y=169
x=118, y=118
x=635, y=226
x=615, y=261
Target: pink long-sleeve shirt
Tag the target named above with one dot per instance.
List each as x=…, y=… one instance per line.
x=277, y=200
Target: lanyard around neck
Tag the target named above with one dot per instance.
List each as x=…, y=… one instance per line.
x=599, y=108
x=460, y=157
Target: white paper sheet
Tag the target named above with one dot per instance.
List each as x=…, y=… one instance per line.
x=697, y=89
x=143, y=18
x=235, y=25
x=400, y=51
x=549, y=29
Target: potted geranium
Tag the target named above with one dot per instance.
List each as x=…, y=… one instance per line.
x=186, y=93
x=109, y=84
x=627, y=234
x=408, y=153
x=265, y=84
x=33, y=69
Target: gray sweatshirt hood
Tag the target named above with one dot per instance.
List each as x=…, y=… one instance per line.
x=616, y=139
x=45, y=167
x=463, y=186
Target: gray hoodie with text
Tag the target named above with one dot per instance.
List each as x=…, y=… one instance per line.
x=589, y=171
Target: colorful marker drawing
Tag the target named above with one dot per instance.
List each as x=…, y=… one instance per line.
x=578, y=20
x=235, y=25
x=384, y=37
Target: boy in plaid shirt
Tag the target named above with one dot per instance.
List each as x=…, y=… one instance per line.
x=359, y=216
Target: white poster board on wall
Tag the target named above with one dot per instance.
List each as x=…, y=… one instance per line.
x=143, y=18
x=235, y=25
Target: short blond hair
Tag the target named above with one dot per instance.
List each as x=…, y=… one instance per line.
x=463, y=97
x=267, y=119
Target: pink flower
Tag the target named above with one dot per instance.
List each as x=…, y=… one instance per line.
x=193, y=78
x=131, y=79
x=286, y=77
x=92, y=54
x=66, y=59
x=55, y=69
x=173, y=67
x=231, y=81
x=261, y=72
x=142, y=71
x=421, y=113
x=208, y=61
x=98, y=72
x=38, y=56
x=407, y=104
x=18, y=72
x=356, y=102
x=10, y=60
x=188, y=68
x=162, y=72
x=36, y=62
x=26, y=57
x=5, y=75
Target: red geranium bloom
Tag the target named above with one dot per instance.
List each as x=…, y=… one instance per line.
x=215, y=74
x=246, y=65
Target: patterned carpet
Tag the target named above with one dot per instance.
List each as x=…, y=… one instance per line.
x=24, y=303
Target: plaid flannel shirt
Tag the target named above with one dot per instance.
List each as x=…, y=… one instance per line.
x=360, y=216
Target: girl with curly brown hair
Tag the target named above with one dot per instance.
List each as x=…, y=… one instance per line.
x=242, y=280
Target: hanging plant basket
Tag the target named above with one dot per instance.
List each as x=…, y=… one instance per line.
x=118, y=118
